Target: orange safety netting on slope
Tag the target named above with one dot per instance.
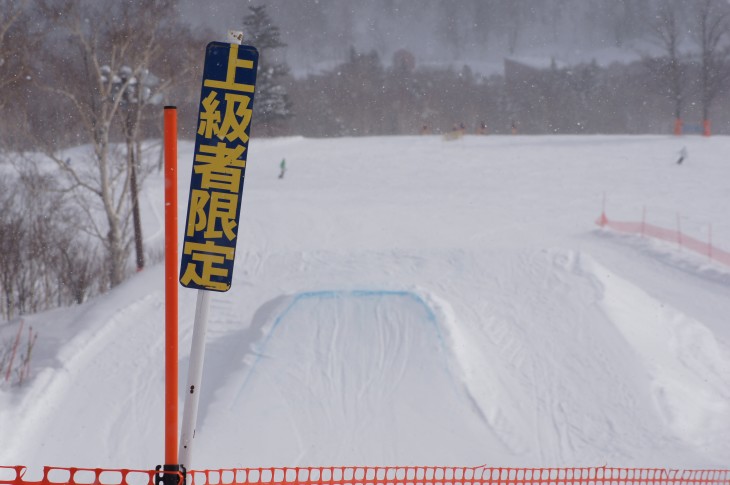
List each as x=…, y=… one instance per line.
x=374, y=476
x=705, y=248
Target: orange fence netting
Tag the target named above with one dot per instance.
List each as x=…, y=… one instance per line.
x=20, y=475
x=705, y=248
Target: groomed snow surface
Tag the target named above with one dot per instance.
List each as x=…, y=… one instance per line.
x=411, y=300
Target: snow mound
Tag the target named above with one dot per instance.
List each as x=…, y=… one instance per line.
x=338, y=371
x=688, y=369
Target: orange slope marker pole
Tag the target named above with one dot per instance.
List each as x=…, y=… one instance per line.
x=15, y=348
x=171, y=290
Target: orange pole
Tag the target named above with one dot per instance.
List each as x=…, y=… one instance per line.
x=678, y=126
x=171, y=270
x=15, y=348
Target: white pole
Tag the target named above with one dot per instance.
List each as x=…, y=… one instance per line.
x=195, y=376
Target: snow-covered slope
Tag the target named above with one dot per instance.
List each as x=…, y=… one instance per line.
x=410, y=300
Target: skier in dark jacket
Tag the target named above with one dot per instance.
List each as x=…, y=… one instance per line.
x=682, y=155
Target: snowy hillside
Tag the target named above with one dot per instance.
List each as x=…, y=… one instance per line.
x=410, y=300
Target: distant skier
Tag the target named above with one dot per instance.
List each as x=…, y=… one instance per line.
x=682, y=155
x=282, y=166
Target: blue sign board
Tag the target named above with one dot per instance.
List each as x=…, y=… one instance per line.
x=219, y=166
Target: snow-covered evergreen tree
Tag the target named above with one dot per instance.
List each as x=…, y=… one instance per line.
x=272, y=105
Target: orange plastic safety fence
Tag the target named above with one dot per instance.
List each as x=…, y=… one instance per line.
x=375, y=476
x=705, y=248
x=21, y=475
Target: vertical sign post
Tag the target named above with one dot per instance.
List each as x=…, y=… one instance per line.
x=171, y=292
x=214, y=206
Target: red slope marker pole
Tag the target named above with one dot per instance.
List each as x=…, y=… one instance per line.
x=171, y=293
x=15, y=348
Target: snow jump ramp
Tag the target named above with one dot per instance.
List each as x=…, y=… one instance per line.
x=345, y=370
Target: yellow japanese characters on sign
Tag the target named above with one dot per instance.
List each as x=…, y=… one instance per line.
x=219, y=166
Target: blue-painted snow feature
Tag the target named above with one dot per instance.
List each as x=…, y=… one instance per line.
x=397, y=313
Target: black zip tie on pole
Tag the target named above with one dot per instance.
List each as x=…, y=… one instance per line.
x=170, y=475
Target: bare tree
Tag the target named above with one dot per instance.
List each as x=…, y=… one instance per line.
x=121, y=34
x=11, y=242
x=667, y=32
x=38, y=232
x=136, y=92
x=713, y=28
x=10, y=15
x=76, y=267
x=18, y=42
